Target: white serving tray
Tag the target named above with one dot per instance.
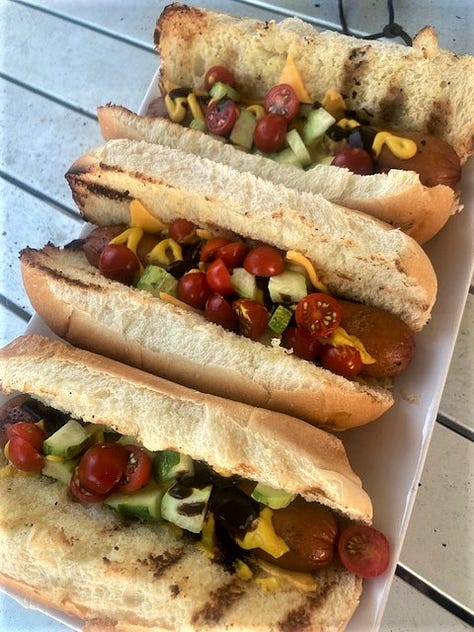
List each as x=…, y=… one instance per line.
x=389, y=454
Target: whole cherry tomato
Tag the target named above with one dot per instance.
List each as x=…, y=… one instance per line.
x=232, y=254
x=119, y=263
x=318, y=313
x=102, y=466
x=194, y=289
x=221, y=116
x=303, y=344
x=218, y=73
x=82, y=494
x=343, y=360
x=28, y=431
x=355, y=159
x=23, y=455
x=211, y=247
x=183, y=231
x=138, y=470
x=264, y=261
x=218, y=278
x=252, y=317
x=219, y=311
x=282, y=99
x=269, y=133
x=363, y=550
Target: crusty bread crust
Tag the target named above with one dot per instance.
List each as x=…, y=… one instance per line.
x=116, y=576
x=132, y=326
x=397, y=197
x=355, y=255
x=419, y=88
x=227, y=435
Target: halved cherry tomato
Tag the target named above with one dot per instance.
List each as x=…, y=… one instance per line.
x=218, y=73
x=219, y=311
x=194, y=289
x=355, y=159
x=282, y=99
x=221, y=116
x=232, y=254
x=318, y=313
x=363, y=550
x=82, y=494
x=138, y=470
x=28, y=431
x=302, y=343
x=252, y=316
x=269, y=133
x=119, y=263
x=211, y=247
x=23, y=455
x=183, y=231
x=343, y=360
x=264, y=261
x=102, y=466
x=218, y=278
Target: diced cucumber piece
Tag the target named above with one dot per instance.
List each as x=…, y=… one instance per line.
x=186, y=506
x=198, y=124
x=69, y=440
x=273, y=498
x=144, y=504
x=58, y=468
x=156, y=279
x=287, y=287
x=244, y=283
x=280, y=319
x=170, y=465
x=221, y=90
x=242, y=132
x=296, y=143
x=317, y=124
x=286, y=156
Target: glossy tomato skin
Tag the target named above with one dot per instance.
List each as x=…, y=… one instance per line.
x=219, y=311
x=282, y=99
x=303, y=345
x=318, y=313
x=102, y=466
x=119, y=263
x=24, y=456
x=28, y=431
x=218, y=73
x=343, y=360
x=355, y=159
x=363, y=550
x=218, y=278
x=182, y=231
x=221, y=116
x=82, y=494
x=252, y=317
x=194, y=290
x=233, y=253
x=269, y=133
x=264, y=261
x=138, y=470
x=211, y=248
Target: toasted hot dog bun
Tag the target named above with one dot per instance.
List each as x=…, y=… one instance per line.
x=356, y=256
x=421, y=88
x=131, y=325
x=396, y=197
x=85, y=561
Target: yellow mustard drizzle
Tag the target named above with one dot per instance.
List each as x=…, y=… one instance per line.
x=340, y=338
x=165, y=252
x=346, y=123
x=176, y=108
x=403, y=148
x=292, y=256
x=256, y=109
x=264, y=536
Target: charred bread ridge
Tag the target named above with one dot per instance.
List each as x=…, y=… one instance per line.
x=420, y=88
x=123, y=577
x=163, y=415
x=397, y=197
x=356, y=255
x=132, y=326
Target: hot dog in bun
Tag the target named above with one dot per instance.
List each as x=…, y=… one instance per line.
x=134, y=503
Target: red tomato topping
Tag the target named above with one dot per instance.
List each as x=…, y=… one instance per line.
x=343, y=360
x=119, y=263
x=81, y=493
x=194, y=289
x=182, y=231
x=218, y=73
x=218, y=278
x=252, y=316
x=221, y=116
x=363, y=550
x=232, y=254
x=219, y=311
x=28, y=431
x=303, y=345
x=318, y=313
x=211, y=247
x=138, y=470
x=269, y=133
x=24, y=456
x=102, y=466
x=264, y=261
x=355, y=159
x=282, y=99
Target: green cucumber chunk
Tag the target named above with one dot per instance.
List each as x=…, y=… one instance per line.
x=280, y=319
x=69, y=440
x=221, y=90
x=273, y=498
x=185, y=506
x=144, y=504
x=169, y=465
x=296, y=143
x=244, y=127
x=60, y=469
x=286, y=156
x=244, y=283
x=288, y=287
x=156, y=279
x=317, y=124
